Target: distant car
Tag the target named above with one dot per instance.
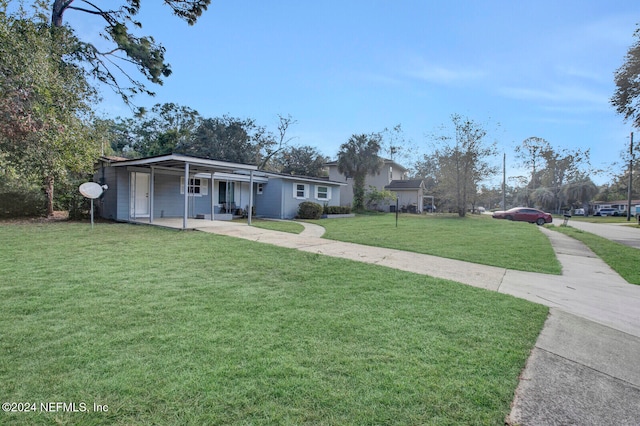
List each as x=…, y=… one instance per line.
x=524, y=214
x=578, y=212
x=607, y=212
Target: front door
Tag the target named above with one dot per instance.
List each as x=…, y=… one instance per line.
x=139, y=194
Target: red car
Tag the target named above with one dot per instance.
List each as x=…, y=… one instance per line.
x=524, y=214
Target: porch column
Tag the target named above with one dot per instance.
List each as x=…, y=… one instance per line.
x=186, y=195
x=250, y=197
x=151, y=193
x=212, y=194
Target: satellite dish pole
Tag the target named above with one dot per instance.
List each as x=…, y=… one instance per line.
x=92, y=190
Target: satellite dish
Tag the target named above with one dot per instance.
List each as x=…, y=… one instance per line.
x=90, y=190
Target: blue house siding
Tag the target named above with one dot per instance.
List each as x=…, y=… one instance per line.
x=278, y=199
x=168, y=202
x=122, y=202
x=269, y=203
x=279, y=202
x=108, y=201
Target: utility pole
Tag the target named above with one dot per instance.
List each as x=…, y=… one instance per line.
x=504, y=181
x=630, y=178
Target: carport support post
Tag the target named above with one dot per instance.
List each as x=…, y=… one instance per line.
x=250, y=197
x=186, y=195
x=151, y=193
x=212, y=205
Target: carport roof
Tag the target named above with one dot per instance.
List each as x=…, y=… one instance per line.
x=405, y=184
x=178, y=162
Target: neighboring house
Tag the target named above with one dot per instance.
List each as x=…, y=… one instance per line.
x=410, y=194
x=389, y=172
x=179, y=186
x=619, y=205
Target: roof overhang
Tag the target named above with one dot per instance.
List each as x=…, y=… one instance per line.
x=304, y=179
x=179, y=162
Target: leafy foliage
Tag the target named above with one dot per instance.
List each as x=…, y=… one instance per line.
x=374, y=197
x=552, y=170
x=460, y=162
x=357, y=158
x=626, y=98
x=302, y=160
x=336, y=209
x=143, y=52
x=44, y=131
x=309, y=210
x=226, y=138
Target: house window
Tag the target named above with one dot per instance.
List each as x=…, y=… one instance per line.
x=197, y=187
x=223, y=194
x=300, y=191
x=323, y=193
x=259, y=188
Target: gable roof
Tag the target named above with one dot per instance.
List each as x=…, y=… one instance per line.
x=408, y=184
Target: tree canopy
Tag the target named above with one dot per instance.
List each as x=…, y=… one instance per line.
x=460, y=162
x=626, y=98
x=357, y=158
x=148, y=56
x=301, y=160
x=45, y=107
x=224, y=138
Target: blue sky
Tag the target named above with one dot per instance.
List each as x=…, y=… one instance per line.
x=523, y=68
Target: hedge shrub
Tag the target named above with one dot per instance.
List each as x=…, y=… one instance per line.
x=22, y=202
x=337, y=210
x=309, y=210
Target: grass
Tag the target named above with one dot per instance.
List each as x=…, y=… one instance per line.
x=477, y=239
x=178, y=327
x=621, y=258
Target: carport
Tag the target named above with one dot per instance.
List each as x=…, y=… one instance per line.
x=179, y=165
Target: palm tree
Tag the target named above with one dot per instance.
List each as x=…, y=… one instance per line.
x=544, y=197
x=357, y=158
x=582, y=190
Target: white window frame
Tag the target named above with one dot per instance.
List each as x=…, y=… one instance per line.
x=328, y=193
x=305, y=191
x=198, y=187
x=259, y=188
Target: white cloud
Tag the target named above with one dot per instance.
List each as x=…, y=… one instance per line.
x=557, y=94
x=442, y=75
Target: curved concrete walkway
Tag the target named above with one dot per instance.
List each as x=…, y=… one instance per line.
x=584, y=368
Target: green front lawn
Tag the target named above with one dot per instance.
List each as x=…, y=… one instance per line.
x=178, y=327
x=276, y=225
x=477, y=239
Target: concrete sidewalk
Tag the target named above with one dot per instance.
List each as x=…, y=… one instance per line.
x=583, y=369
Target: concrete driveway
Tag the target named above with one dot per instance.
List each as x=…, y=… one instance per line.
x=619, y=232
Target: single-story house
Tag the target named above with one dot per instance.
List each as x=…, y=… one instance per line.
x=179, y=186
x=410, y=194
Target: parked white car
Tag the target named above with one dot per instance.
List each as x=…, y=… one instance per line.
x=607, y=212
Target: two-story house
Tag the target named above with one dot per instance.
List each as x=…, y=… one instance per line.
x=389, y=177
